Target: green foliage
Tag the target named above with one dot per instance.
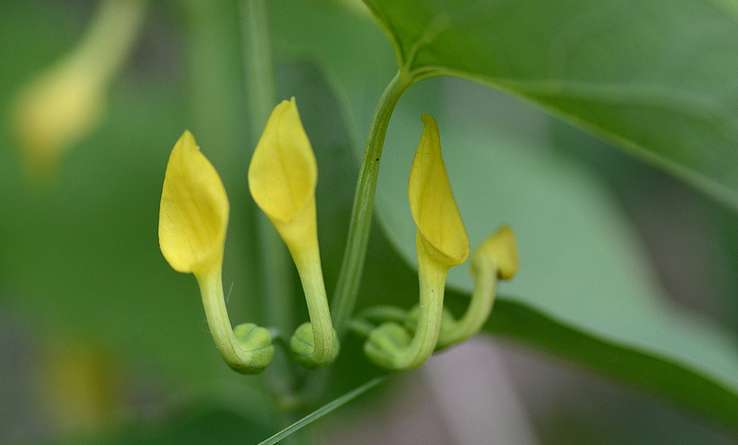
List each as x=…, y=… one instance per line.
x=79, y=259
x=648, y=372
x=657, y=77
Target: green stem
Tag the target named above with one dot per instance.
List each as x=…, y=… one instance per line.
x=361, y=215
x=321, y=346
x=432, y=280
x=389, y=345
x=480, y=306
x=276, y=273
x=322, y=411
x=212, y=81
x=258, y=62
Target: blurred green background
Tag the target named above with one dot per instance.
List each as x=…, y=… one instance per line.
x=101, y=342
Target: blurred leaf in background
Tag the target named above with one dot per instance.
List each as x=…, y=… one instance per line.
x=198, y=424
x=79, y=258
x=656, y=77
x=62, y=104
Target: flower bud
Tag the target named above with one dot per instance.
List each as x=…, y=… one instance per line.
x=441, y=243
x=193, y=218
x=432, y=204
x=282, y=178
x=501, y=249
x=193, y=215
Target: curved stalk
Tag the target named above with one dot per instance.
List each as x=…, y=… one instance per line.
x=247, y=348
x=389, y=345
x=354, y=255
x=480, y=306
x=315, y=342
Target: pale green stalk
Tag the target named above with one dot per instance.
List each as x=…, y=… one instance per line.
x=354, y=255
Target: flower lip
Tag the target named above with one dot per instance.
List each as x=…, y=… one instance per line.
x=501, y=248
x=193, y=213
x=432, y=204
x=283, y=172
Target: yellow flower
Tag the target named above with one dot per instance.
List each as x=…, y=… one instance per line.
x=441, y=243
x=193, y=214
x=193, y=218
x=54, y=112
x=64, y=103
x=283, y=172
x=499, y=249
x=433, y=207
x=282, y=178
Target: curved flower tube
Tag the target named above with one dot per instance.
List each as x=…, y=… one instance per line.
x=441, y=243
x=496, y=258
x=193, y=217
x=282, y=178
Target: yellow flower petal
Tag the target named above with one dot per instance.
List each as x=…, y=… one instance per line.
x=193, y=215
x=501, y=248
x=432, y=203
x=283, y=171
x=54, y=112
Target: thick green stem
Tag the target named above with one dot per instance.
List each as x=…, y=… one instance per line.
x=432, y=280
x=352, y=266
x=314, y=343
x=389, y=345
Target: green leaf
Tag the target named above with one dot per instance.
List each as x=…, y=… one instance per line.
x=580, y=260
x=520, y=322
x=653, y=373
x=657, y=77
